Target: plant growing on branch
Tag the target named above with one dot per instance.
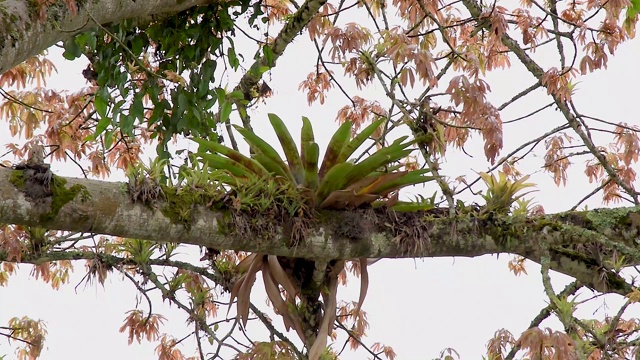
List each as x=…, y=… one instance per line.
x=335, y=183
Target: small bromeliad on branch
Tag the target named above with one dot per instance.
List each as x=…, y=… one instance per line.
x=335, y=183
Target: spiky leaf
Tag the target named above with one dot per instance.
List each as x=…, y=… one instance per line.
x=220, y=162
x=289, y=147
x=338, y=141
x=334, y=180
x=342, y=199
x=381, y=158
x=402, y=206
x=309, y=152
x=271, y=166
x=389, y=184
x=262, y=147
x=358, y=140
x=248, y=163
x=306, y=134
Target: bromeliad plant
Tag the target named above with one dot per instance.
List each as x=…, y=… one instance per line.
x=335, y=183
x=502, y=192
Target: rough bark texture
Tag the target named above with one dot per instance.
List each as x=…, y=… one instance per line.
x=23, y=34
x=576, y=240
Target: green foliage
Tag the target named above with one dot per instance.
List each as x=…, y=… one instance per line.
x=139, y=250
x=133, y=64
x=180, y=202
x=259, y=194
x=501, y=192
x=565, y=309
x=419, y=204
x=336, y=184
x=633, y=9
x=155, y=170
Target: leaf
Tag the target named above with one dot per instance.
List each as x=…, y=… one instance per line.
x=328, y=316
x=309, y=152
x=100, y=104
x=342, y=199
x=411, y=207
x=369, y=184
x=289, y=147
x=225, y=110
x=381, y=158
x=358, y=140
x=273, y=292
x=310, y=155
x=218, y=162
x=388, y=183
x=334, y=180
x=306, y=134
x=101, y=127
x=270, y=165
x=281, y=277
x=244, y=265
x=248, y=163
x=137, y=108
x=634, y=9
x=338, y=141
x=244, y=293
x=234, y=292
x=364, y=284
x=260, y=146
x=71, y=50
x=233, y=58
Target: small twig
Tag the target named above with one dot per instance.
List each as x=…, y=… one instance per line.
x=545, y=313
x=10, y=97
x=352, y=335
x=595, y=191
x=198, y=342
x=142, y=290
x=275, y=331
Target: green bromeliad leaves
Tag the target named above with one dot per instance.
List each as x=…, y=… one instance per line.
x=289, y=147
x=337, y=183
x=309, y=153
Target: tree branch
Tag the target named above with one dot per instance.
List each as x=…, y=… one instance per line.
x=249, y=82
x=106, y=208
x=23, y=35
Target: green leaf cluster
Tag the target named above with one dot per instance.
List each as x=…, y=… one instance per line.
x=334, y=182
x=190, y=44
x=502, y=192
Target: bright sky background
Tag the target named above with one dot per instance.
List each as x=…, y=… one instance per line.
x=417, y=306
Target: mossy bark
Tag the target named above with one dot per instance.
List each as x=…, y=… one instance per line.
x=578, y=240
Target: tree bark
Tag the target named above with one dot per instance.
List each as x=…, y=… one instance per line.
x=576, y=240
x=23, y=33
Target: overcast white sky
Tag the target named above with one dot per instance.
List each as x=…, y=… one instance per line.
x=417, y=306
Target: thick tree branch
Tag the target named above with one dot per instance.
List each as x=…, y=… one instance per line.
x=23, y=35
x=574, y=237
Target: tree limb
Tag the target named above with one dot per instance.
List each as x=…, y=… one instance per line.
x=106, y=208
x=23, y=34
x=291, y=29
